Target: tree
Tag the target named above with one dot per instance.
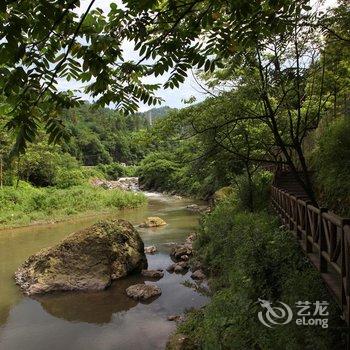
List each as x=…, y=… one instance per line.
x=42, y=41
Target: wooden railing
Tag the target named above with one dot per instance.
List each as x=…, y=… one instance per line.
x=325, y=239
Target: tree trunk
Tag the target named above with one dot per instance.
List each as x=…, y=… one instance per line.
x=306, y=182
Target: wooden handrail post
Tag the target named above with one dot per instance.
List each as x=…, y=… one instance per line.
x=345, y=268
x=289, y=211
x=322, y=239
x=308, y=245
x=344, y=284
x=297, y=218
x=345, y=251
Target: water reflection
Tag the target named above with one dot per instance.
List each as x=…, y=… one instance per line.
x=92, y=307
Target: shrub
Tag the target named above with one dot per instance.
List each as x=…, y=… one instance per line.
x=41, y=162
x=114, y=171
x=130, y=170
x=67, y=178
x=260, y=190
x=177, y=171
x=157, y=171
x=9, y=177
x=89, y=172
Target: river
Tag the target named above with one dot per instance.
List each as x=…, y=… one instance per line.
x=102, y=320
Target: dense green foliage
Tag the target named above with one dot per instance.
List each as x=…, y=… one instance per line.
x=247, y=257
x=114, y=171
x=173, y=171
x=94, y=137
x=331, y=162
x=191, y=164
x=26, y=204
x=102, y=136
x=42, y=163
x=253, y=195
x=158, y=171
x=154, y=114
x=42, y=41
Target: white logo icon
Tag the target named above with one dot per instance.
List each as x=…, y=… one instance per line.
x=274, y=315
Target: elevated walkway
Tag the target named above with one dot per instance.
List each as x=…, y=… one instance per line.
x=323, y=236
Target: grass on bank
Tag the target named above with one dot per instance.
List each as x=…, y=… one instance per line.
x=248, y=256
x=27, y=204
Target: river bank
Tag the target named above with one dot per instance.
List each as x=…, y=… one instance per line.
x=28, y=205
x=97, y=320
x=252, y=261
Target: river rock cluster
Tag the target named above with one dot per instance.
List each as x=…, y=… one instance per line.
x=89, y=259
x=195, y=208
x=123, y=183
x=146, y=291
x=181, y=254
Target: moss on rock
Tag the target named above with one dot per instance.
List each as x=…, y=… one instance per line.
x=222, y=194
x=89, y=259
x=153, y=221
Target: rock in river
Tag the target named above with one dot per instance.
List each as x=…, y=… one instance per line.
x=193, y=207
x=181, y=250
x=153, y=221
x=152, y=273
x=173, y=317
x=171, y=268
x=198, y=275
x=143, y=291
x=178, y=268
x=89, y=259
x=151, y=249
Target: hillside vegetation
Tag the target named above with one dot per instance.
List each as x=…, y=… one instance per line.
x=51, y=182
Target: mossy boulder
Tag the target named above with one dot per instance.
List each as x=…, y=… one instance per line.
x=89, y=259
x=153, y=221
x=222, y=194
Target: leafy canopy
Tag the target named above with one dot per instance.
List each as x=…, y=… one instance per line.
x=44, y=41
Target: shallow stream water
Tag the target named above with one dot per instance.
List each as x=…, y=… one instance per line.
x=102, y=320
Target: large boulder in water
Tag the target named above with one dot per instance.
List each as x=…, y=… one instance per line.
x=89, y=259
